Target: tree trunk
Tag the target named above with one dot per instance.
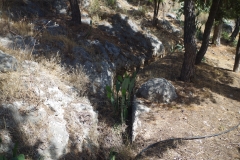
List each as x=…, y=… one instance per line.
x=236, y=30
x=156, y=9
x=236, y=67
x=217, y=32
x=76, y=14
x=187, y=71
x=207, y=31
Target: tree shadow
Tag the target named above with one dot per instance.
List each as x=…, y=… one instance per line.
x=11, y=126
x=156, y=150
x=207, y=78
x=218, y=80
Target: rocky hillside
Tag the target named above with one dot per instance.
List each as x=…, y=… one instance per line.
x=53, y=78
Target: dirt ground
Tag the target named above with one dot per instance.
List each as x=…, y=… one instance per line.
x=208, y=105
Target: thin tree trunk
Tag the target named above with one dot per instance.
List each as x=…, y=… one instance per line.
x=217, y=32
x=236, y=30
x=207, y=31
x=76, y=14
x=187, y=71
x=156, y=9
x=236, y=67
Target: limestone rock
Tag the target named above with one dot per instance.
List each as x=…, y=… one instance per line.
x=228, y=26
x=7, y=63
x=60, y=6
x=157, y=90
x=130, y=34
x=170, y=27
x=171, y=15
x=53, y=119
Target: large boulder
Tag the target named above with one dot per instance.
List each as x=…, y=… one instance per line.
x=228, y=26
x=7, y=63
x=177, y=31
x=157, y=90
x=133, y=37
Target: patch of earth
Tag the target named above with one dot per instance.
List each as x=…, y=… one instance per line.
x=208, y=105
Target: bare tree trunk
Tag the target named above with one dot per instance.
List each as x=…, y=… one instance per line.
x=156, y=9
x=207, y=31
x=236, y=67
x=236, y=30
x=76, y=14
x=187, y=71
x=217, y=32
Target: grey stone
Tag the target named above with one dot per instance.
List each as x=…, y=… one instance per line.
x=86, y=21
x=157, y=90
x=18, y=42
x=100, y=49
x=7, y=63
x=130, y=34
x=228, y=26
x=112, y=49
x=80, y=54
x=170, y=28
x=138, y=109
x=157, y=46
x=85, y=3
x=28, y=9
x=171, y=15
x=60, y=6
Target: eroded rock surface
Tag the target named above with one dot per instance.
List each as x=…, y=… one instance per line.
x=157, y=90
x=7, y=63
x=129, y=33
x=50, y=117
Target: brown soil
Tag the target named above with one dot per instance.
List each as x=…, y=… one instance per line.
x=208, y=105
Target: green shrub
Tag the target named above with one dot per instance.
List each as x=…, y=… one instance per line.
x=111, y=3
x=225, y=36
x=15, y=156
x=120, y=97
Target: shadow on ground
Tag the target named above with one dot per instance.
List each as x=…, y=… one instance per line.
x=207, y=78
x=157, y=149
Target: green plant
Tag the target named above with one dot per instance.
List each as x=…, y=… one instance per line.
x=111, y=3
x=112, y=155
x=234, y=43
x=225, y=36
x=177, y=47
x=15, y=155
x=120, y=96
x=94, y=7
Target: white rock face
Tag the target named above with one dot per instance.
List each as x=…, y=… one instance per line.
x=138, y=110
x=51, y=118
x=7, y=63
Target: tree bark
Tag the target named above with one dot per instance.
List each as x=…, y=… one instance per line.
x=76, y=14
x=236, y=30
x=187, y=71
x=217, y=32
x=236, y=67
x=207, y=31
x=156, y=9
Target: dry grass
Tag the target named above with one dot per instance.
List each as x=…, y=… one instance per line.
x=21, y=27
x=68, y=42
x=94, y=7
x=73, y=76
